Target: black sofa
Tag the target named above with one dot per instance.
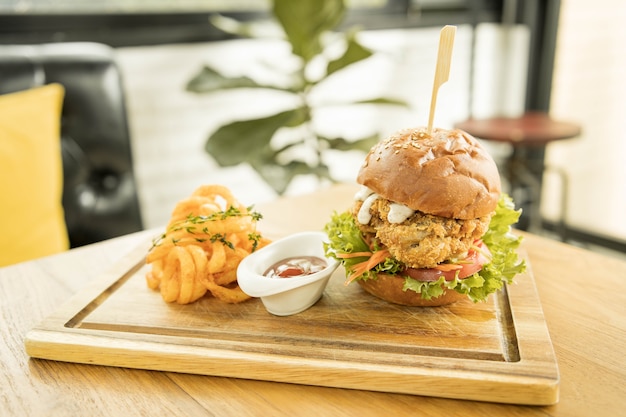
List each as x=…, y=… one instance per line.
x=100, y=193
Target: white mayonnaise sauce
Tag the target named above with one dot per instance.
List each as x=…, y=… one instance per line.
x=363, y=193
x=399, y=213
x=364, y=216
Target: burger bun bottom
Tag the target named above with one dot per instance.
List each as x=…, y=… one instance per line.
x=390, y=289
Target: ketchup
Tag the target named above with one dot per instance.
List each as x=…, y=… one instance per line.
x=296, y=266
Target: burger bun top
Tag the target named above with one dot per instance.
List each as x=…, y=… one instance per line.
x=447, y=173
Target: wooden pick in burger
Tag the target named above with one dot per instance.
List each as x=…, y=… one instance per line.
x=442, y=72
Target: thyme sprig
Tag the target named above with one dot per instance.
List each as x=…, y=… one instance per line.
x=219, y=237
x=255, y=238
x=191, y=225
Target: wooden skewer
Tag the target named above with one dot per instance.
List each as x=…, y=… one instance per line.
x=442, y=72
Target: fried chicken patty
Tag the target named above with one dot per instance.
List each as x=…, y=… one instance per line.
x=422, y=240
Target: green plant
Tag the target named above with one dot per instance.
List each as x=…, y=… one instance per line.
x=311, y=28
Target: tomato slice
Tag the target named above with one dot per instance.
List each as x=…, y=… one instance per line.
x=471, y=264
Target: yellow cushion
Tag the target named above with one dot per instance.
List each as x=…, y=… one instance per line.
x=32, y=222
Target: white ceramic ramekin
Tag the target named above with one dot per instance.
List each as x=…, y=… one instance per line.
x=286, y=296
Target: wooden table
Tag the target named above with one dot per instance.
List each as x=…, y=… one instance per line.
x=583, y=296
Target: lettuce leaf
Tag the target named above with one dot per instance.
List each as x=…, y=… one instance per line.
x=344, y=236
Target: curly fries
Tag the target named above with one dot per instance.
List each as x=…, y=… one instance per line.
x=207, y=236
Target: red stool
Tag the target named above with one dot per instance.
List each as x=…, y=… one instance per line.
x=523, y=169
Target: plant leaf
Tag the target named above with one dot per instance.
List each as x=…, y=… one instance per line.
x=384, y=100
x=304, y=22
x=379, y=100
x=275, y=175
x=245, y=140
x=363, y=144
x=354, y=52
x=280, y=176
x=209, y=80
x=235, y=27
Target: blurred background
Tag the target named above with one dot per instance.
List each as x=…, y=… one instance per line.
x=565, y=58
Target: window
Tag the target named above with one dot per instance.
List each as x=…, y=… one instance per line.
x=152, y=22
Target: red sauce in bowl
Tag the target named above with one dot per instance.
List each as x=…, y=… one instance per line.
x=296, y=266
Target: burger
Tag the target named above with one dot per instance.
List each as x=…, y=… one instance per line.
x=430, y=224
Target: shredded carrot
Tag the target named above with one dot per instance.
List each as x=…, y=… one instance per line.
x=377, y=258
x=448, y=267
x=353, y=255
x=362, y=267
x=357, y=271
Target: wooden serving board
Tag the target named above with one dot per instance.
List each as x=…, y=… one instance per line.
x=497, y=351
